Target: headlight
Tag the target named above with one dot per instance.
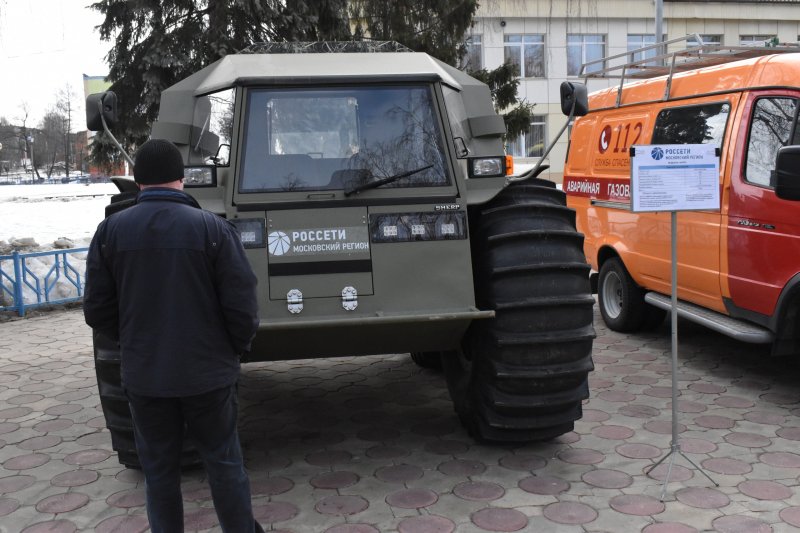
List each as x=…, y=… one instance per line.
x=490, y=167
x=200, y=176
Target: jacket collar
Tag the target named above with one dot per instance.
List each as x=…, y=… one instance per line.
x=165, y=194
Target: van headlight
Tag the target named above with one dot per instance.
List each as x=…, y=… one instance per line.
x=205, y=176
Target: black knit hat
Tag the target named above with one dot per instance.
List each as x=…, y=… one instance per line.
x=157, y=161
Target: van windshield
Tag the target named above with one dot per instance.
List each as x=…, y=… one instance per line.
x=699, y=124
x=341, y=138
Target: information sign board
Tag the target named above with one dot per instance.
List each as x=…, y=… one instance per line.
x=674, y=177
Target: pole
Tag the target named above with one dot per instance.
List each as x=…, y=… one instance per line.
x=674, y=445
x=659, y=23
x=674, y=324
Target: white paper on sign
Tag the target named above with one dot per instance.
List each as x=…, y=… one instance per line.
x=674, y=177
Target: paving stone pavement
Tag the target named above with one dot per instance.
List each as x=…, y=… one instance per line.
x=361, y=445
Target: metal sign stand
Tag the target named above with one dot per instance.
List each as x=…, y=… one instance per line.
x=675, y=445
x=675, y=177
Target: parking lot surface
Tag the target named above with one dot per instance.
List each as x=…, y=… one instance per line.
x=372, y=444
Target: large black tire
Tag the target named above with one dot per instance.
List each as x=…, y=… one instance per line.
x=621, y=300
x=115, y=405
x=522, y=375
x=429, y=360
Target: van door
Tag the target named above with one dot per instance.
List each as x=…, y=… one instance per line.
x=703, y=122
x=763, y=231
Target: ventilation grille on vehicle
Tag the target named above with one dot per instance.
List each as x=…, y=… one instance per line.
x=321, y=47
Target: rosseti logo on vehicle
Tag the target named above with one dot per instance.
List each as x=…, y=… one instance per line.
x=278, y=243
x=318, y=241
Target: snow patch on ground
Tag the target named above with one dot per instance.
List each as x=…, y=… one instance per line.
x=36, y=218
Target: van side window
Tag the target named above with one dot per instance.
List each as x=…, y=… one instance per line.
x=774, y=120
x=697, y=124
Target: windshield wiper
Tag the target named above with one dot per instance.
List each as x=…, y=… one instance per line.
x=353, y=189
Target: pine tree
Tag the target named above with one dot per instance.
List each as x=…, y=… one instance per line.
x=160, y=42
x=504, y=84
x=436, y=27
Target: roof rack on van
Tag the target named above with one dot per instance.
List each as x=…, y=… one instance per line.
x=696, y=54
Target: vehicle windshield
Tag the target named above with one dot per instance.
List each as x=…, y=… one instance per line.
x=343, y=137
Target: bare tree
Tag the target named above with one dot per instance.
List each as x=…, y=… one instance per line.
x=49, y=145
x=65, y=108
x=24, y=136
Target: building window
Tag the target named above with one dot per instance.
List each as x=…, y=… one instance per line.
x=707, y=39
x=473, y=60
x=640, y=40
x=526, y=54
x=532, y=142
x=583, y=48
x=754, y=40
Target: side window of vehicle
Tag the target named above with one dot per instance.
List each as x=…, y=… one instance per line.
x=696, y=124
x=213, y=127
x=773, y=126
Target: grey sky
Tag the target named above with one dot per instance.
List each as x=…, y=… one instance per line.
x=45, y=45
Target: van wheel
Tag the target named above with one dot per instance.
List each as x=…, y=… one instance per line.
x=431, y=360
x=621, y=300
x=522, y=375
x=115, y=405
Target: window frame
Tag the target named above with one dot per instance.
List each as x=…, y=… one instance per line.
x=752, y=41
x=521, y=140
x=470, y=45
x=445, y=192
x=649, y=53
x=689, y=106
x=692, y=42
x=521, y=49
x=583, y=47
x=794, y=134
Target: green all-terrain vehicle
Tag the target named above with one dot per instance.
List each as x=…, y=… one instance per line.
x=371, y=191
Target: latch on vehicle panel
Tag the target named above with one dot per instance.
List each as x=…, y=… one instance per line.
x=294, y=301
x=349, y=298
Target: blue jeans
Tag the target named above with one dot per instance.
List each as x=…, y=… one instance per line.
x=210, y=422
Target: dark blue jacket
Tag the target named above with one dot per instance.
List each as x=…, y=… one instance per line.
x=172, y=283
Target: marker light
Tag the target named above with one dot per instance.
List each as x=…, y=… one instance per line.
x=251, y=231
x=407, y=227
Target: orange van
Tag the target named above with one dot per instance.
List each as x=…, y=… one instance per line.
x=739, y=266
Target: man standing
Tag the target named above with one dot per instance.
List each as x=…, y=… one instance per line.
x=171, y=282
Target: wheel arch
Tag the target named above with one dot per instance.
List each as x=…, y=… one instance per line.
x=607, y=252
x=785, y=322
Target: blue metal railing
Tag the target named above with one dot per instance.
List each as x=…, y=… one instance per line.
x=40, y=287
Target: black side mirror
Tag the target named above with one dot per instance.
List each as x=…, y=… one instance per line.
x=574, y=99
x=101, y=106
x=787, y=173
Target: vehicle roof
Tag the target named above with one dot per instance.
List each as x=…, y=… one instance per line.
x=177, y=107
x=779, y=70
x=281, y=69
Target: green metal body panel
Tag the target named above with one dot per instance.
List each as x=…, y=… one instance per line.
x=412, y=295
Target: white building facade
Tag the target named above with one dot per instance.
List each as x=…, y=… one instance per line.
x=550, y=40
